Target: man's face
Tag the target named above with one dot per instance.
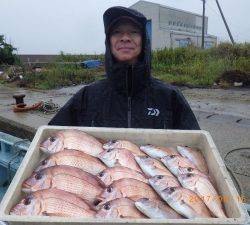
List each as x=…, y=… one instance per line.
x=126, y=42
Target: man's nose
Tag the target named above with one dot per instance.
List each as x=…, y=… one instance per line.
x=125, y=37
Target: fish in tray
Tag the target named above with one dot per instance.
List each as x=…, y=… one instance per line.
x=195, y=156
x=72, y=139
x=152, y=167
x=160, y=182
x=53, y=202
x=73, y=158
x=66, y=178
x=158, y=152
x=109, y=175
x=123, y=144
x=156, y=209
x=186, y=170
x=119, y=157
x=185, y=202
x=126, y=188
x=205, y=190
x=174, y=162
x=119, y=208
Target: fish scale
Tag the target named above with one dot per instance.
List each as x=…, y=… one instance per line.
x=136, y=190
x=72, y=139
x=53, y=202
x=119, y=157
x=67, y=178
x=55, y=205
x=127, y=187
x=120, y=208
x=156, y=209
x=195, y=156
x=152, y=167
x=158, y=152
x=68, y=183
x=205, y=190
x=112, y=174
x=76, y=159
x=82, y=163
x=185, y=202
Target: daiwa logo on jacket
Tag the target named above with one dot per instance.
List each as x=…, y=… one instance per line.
x=153, y=112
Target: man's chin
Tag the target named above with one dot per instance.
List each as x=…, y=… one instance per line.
x=125, y=57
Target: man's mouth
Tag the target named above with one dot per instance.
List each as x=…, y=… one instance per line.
x=125, y=48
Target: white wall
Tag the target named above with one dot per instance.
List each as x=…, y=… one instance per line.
x=164, y=35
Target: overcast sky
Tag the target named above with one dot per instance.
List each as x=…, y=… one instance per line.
x=76, y=26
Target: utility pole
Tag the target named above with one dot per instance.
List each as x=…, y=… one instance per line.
x=225, y=22
x=203, y=26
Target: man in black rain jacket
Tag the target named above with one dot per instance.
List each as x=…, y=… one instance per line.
x=129, y=96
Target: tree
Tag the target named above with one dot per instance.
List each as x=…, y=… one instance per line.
x=7, y=55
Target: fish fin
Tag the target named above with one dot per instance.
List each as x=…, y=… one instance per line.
x=45, y=213
x=127, y=217
x=117, y=163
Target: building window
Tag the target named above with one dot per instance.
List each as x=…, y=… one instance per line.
x=182, y=43
x=208, y=44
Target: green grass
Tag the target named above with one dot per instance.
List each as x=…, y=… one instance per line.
x=55, y=75
x=199, y=67
x=180, y=66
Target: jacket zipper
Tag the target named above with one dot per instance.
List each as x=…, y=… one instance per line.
x=129, y=112
x=129, y=90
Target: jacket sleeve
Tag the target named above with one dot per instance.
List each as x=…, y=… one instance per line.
x=183, y=116
x=69, y=113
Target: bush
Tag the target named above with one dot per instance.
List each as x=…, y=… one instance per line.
x=180, y=66
x=7, y=55
x=77, y=58
x=59, y=75
x=196, y=66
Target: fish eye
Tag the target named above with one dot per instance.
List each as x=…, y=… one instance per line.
x=172, y=189
x=189, y=175
x=159, y=176
x=146, y=156
x=44, y=162
x=97, y=202
x=27, y=201
x=172, y=156
x=101, y=174
x=109, y=189
x=106, y=206
x=113, y=141
x=52, y=139
x=109, y=150
x=189, y=169
x=38, y=176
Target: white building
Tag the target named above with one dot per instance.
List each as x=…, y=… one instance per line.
x=170, y=27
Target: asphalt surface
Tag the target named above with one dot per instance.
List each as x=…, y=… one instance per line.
x=224, y=113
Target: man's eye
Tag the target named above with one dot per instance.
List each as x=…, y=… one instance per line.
x=115, y=32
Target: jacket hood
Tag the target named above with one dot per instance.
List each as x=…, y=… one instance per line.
x=116, y=71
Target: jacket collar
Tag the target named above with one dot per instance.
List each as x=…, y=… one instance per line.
x=128, y=79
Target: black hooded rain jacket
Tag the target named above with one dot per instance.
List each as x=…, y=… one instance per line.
x=129, y=96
